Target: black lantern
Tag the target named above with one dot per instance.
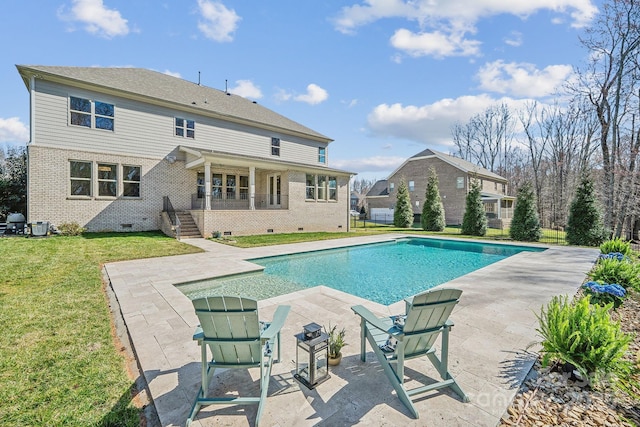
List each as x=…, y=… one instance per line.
x=312, y=356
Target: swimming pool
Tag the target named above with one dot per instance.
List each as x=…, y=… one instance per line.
x=382, y=272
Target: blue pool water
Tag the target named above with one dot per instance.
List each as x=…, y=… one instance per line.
x=382, y=272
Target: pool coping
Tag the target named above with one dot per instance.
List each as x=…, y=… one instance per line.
x=495, y=322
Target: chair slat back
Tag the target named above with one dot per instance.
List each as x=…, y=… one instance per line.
x=426, y=314
x=231, y=328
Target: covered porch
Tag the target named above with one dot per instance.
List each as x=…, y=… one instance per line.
x=499, y=208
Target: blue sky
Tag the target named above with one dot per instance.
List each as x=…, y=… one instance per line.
x=384, y=78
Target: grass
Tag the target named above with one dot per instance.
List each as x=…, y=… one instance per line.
x=362, y=228
x=58, y=361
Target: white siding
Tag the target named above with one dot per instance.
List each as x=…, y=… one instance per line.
x=143, y=129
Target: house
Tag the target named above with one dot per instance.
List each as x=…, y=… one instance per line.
x=454, y=179
x=130, y=149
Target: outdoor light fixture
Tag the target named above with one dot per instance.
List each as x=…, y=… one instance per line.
x=312, y=356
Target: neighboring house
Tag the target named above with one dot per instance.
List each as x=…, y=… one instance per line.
x=454, y=178
x=119, y=149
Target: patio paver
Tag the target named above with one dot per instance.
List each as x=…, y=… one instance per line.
x=494, y=323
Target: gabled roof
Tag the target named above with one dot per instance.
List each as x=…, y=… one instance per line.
x=153, y=86
x=380, y=188
x=461, y=164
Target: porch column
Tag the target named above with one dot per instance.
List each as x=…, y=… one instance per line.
x=252, y=188
x=207, y=186
x=499, y=208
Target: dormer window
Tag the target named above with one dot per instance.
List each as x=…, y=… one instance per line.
x=185, y=128
x=275, y=146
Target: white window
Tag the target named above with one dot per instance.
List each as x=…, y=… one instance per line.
x=185, y=128
x=130, y=181
x=391, y=185
x=310, y=187
x=322, y=187
x=91, y=114
x=322, y=155
x=333, y=188
x=107, y=180
x=460, y=182
x=412, y=185
x=275, y=146
x=80, y=174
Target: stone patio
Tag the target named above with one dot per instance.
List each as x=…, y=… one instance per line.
x=494, y=323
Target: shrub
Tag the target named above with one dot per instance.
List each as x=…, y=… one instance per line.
x=583, y=335
x=474, y=221
x=624, y=273
x=616, y=245
x=525, y=225
x=403, y=212
x=603, y=293
x=71, y=229
x=585, y=226
x=432, y=218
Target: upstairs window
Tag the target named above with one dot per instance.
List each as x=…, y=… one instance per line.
x=91, y=114
x=391, y=187
x=185, y=128
x=460, y=182
x=275, y=146
x=104, y=115
x=412, y=186
x=322, y=155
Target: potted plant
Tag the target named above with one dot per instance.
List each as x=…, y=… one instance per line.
x=336, y=342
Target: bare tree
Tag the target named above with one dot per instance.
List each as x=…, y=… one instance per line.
x=610, y=82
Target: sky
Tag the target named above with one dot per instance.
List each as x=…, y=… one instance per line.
x=385, y=79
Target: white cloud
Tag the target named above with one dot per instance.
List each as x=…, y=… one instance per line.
x=522, y=79
x=247, y=89
x=97, y=18
x=444, y=25
x=13, y=130
x=437, y=44
x=219, y=23
x=514, y=39
x=432, y=123
x=315, y=95
x=350, y=104
x=172, y=74
x=470, y=11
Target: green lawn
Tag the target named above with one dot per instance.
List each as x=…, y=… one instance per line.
x=59, y=365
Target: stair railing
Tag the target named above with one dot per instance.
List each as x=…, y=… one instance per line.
x=171, y=213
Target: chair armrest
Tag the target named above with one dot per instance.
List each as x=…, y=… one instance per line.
x=370, y=318
x=277, y=323
x=198, y=334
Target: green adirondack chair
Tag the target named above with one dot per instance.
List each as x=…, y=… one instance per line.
x=230, y=328
x=427, y=317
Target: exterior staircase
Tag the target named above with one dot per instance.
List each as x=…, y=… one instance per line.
x=188, y=227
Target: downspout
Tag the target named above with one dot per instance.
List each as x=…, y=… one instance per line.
x=32, y=134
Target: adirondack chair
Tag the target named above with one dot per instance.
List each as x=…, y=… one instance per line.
x=230, y=328
x=427, y=316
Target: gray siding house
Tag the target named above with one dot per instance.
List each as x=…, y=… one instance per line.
x=454, y=179
x=121, y=149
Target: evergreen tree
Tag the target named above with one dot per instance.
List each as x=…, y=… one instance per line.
x=403, y=212
x=585, y=225
x=474, y=222
x=525, y=225
x=432, y=218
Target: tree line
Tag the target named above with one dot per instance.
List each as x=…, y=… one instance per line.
x=592, y=129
